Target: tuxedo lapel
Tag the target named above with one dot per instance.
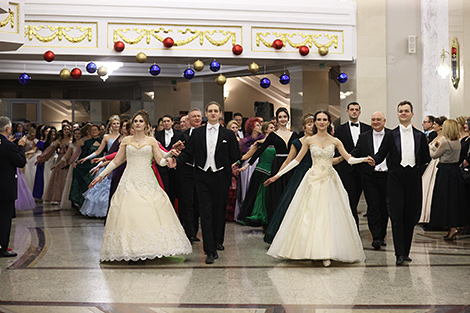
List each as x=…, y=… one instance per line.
x=220, y=138
x=204, y=139
x=397, y=137
x=417, y=138
x=348, y=134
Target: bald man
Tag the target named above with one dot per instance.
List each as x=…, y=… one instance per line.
x=374, y=179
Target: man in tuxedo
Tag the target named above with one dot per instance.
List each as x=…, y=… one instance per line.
x=407, y=154
x=167, y=137
x=374, y=179
x=214, y=149
x=428, y=127
x=11, y=157
x=348, y=133
x=238, y=117
x=187, y=198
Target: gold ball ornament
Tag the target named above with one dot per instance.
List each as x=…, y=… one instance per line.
x=253, y=67
x=198, y=65
x=102, y=70
x=221, y=80
x=323, y=51
x=64, y=73
x=141, y=57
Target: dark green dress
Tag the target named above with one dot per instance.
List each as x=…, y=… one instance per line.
x=81, y=174
x=289, y=192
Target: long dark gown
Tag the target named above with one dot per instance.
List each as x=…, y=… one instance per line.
x=38, y=189
x=288, y=193
x=276, y=188
x=117, y=173
x=81, y=174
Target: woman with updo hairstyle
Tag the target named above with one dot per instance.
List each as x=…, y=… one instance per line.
x=81, y=174
x=253, y=210
x=253, y=133
x=429, y=176
x=97, y=200
x=141, y=222
x=282, y=140
x=462, y=120
x=449, y=206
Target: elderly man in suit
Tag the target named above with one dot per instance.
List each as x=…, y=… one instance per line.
x=407, y=154
x=214, y=149
x=11, y=157
x=374, y=179
x=348, y=133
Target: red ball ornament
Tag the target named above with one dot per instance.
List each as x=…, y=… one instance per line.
x=168, y=42
x=49, y=56
x=76, y=73
x=278, y=44
x=119, y=46
x=237, y=49
x=304, y=50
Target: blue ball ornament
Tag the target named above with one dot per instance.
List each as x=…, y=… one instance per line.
x=154, y=70
x=284, y=79
x=188, y=73
x=215, y=66
x=24, y=79
x=91, y=67
x=265, y=83
x=342, y=78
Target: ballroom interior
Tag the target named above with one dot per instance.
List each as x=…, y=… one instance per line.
x=375, y=52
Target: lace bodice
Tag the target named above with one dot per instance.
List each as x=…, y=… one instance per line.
x=138, y=174
x=322, y=159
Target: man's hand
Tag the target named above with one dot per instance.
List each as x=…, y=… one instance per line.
x=171, y=162
x=22, y=141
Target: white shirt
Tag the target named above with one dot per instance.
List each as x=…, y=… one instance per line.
x=240, y=134
x=212, y=133
x=378, y=137
x=355, y=131
x=191, y=131
x=407, y=146
x=168, y=136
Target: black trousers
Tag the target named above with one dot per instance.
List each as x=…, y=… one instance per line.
x=7, y=211
x=212, y=189
x=352, y=182
x=405, y=196
x=188, y=211
x=375, y=192
x=169, y=180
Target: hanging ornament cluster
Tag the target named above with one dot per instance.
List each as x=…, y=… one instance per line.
x=198, y=65
x=49, y=56
x=141, y=57
x=253, y=68
x=154, y=70
x=284, y=79
x=221, y=80
x=168, y=42
x=278, y=44
x=322, y=50
x=24, y=79
x=64, y=73
x=237, y=49
x=119, y=46
x=342, y=78
x=265, y=82
x=188, y=73
x=91, y=67
x=215, y=66
x=304, y=50
x=102, y=71
x=76, y=73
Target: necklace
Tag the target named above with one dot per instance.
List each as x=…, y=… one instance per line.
x=138, y=140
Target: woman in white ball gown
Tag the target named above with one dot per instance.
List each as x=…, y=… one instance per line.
x=318, y=224
x=141, y=223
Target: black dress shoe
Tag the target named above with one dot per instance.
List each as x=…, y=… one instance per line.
x=220, y=247
x=400, y=260
x=9, y=254
x=407, y=259
x=383, y=243
x=376, y=244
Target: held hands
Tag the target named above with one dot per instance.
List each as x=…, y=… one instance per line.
x=271, y=180
x=370, y=160
x=171, y=162
x=175, y=152
x=95, y=181
x=243, y=168
x=179, y=145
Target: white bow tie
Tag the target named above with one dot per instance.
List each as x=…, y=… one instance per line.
x=212, y=127
x=405, y=129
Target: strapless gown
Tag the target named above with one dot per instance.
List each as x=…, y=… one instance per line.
x=318, y=224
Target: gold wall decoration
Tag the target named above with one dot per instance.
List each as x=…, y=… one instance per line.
x=286, y=39
x=10, y=19
x=455, y=62
x=59, y=32
x=119, y=34
x=11, y=22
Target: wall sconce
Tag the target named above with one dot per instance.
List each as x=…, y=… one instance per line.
x=444, y=70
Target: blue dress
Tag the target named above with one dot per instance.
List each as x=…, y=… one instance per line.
x=97, y=198
x=39, y=177
x=289, y=192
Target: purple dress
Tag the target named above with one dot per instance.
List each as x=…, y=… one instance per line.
x=25, y=200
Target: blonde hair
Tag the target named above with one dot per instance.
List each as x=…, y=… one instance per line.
x=307, y=118
x=450, y=130
x=111, y=120
x=264, y=126
x=230, y=123
x=461, y=120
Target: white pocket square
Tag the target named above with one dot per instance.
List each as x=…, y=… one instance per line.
x=224, y=141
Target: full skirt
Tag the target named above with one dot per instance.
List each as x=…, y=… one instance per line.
x=428, y=178
x=25, y=200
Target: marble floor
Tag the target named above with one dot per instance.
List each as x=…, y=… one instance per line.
x=58, y=270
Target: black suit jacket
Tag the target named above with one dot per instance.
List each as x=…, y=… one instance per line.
x=227, y=150
x=391, y=149
x=160, y=136
x=365, y=147
x=343, y=133
x=431, y=136
x=11, y=157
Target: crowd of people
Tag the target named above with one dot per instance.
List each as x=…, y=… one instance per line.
x=157, y=186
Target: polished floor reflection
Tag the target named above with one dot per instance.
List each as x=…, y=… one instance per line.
x=58, y=270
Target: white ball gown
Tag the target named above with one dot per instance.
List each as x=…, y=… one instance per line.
x=319, y=224
x=141, y=223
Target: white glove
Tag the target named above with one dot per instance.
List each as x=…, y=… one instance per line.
x=353, y=160
x=91, y=156
x=111, y=166
x=289, y=166
x=166, y=155
x=163, y=162
x=96, y=166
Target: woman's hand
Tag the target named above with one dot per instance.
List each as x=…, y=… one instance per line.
x=95, y=181
x=243, y=168
x=96, y=160
x=271, y=180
